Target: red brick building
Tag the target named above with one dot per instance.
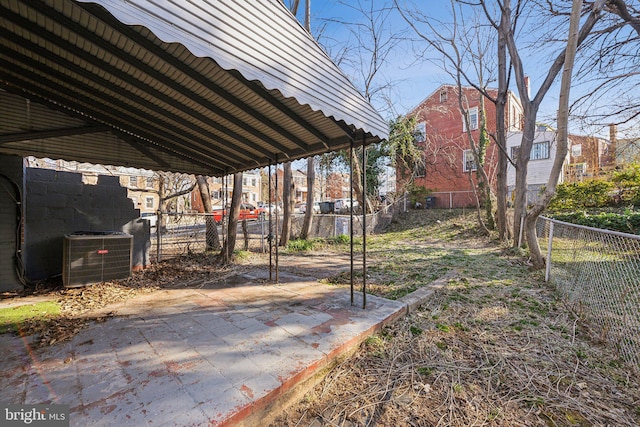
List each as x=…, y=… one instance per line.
x=442, y=134
x=590, y=156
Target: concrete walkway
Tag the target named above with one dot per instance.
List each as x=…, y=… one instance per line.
x=224, y=356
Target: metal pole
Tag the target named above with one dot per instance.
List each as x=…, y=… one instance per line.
x=364, y=225
x=351, y=218
x=547, y=273
x=277, y=220
x=225, y=188
x=158, y=236
x=270, y=236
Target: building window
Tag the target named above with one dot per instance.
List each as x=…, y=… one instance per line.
x=148, y=202
x=576, y=150
x=469, y=163
x=245, y=182
x=421, y=170
x=254, y=197
x=420, y=132
x=253, y=182
x=443, y=96
x=514, y=153
x=515, y=119
x=149, y=182
x=133, y=181
x=472, y=113
x=540, y=150
x=215, y=195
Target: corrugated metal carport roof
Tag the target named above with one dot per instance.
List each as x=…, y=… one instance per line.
x=205, y=87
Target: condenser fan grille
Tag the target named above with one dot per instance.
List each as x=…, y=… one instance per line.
x=96, y=257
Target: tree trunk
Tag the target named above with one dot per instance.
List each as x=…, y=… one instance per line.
x=234, y=213
x=531, y=106
x=212, y=238
x=245, y=233
x=287, y=204
x=537, y=258
x=501, y=136
x=357, y=181
x=308, y=215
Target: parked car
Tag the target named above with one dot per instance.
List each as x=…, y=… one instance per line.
x=342, y=205
x=247, y=211
x=316, y=208
x=152, y=217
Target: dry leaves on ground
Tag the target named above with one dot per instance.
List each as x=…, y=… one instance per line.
x=477, y=355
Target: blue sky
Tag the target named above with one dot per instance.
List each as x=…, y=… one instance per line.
x=412, y=81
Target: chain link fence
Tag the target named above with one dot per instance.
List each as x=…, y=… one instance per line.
x=598, y=275
x=193, y=233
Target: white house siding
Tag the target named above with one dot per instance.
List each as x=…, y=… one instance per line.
x=539, y=170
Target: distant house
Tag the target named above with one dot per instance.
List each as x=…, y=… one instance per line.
x=441, y=132
x=542, y=156
x=251, y=190
x=589, y=156
x=623, y=150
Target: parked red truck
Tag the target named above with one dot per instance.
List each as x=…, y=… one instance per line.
x=247, y=211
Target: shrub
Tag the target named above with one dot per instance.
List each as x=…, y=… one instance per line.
x=627, y=222
x=627, y=183
x=582, y=195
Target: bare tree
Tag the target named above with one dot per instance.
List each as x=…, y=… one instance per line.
x=211, y=231
x=171, y=186
x=232, y=226
x=308, y=214
x=604, y=75
x=288, y=189
x=531, y=107
x=463, y=50
x=372, y=41
x=562, y=137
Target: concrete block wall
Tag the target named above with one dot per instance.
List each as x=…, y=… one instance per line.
x=11, y=182
x=58, y=203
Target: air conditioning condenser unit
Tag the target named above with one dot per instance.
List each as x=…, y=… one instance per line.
x=95, y=257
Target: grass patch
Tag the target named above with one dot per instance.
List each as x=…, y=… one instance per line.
x=302, y=245
x=12, y=318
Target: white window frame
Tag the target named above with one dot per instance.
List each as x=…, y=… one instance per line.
x=540, y=150
x=148, y=202
x=443, y=96
x=420, y=132
x=149, y=182
x=133, y=181
x=576, y=150
x=467, y=157
x=474, y=119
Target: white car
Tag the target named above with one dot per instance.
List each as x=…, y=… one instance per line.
x=344, y=205
x=151, y=217
x=316, y=208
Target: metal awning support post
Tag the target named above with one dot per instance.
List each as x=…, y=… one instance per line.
x=277, y=221
x=225, y=188
x=351, y=217
x=364, y=224
x=269, y=235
